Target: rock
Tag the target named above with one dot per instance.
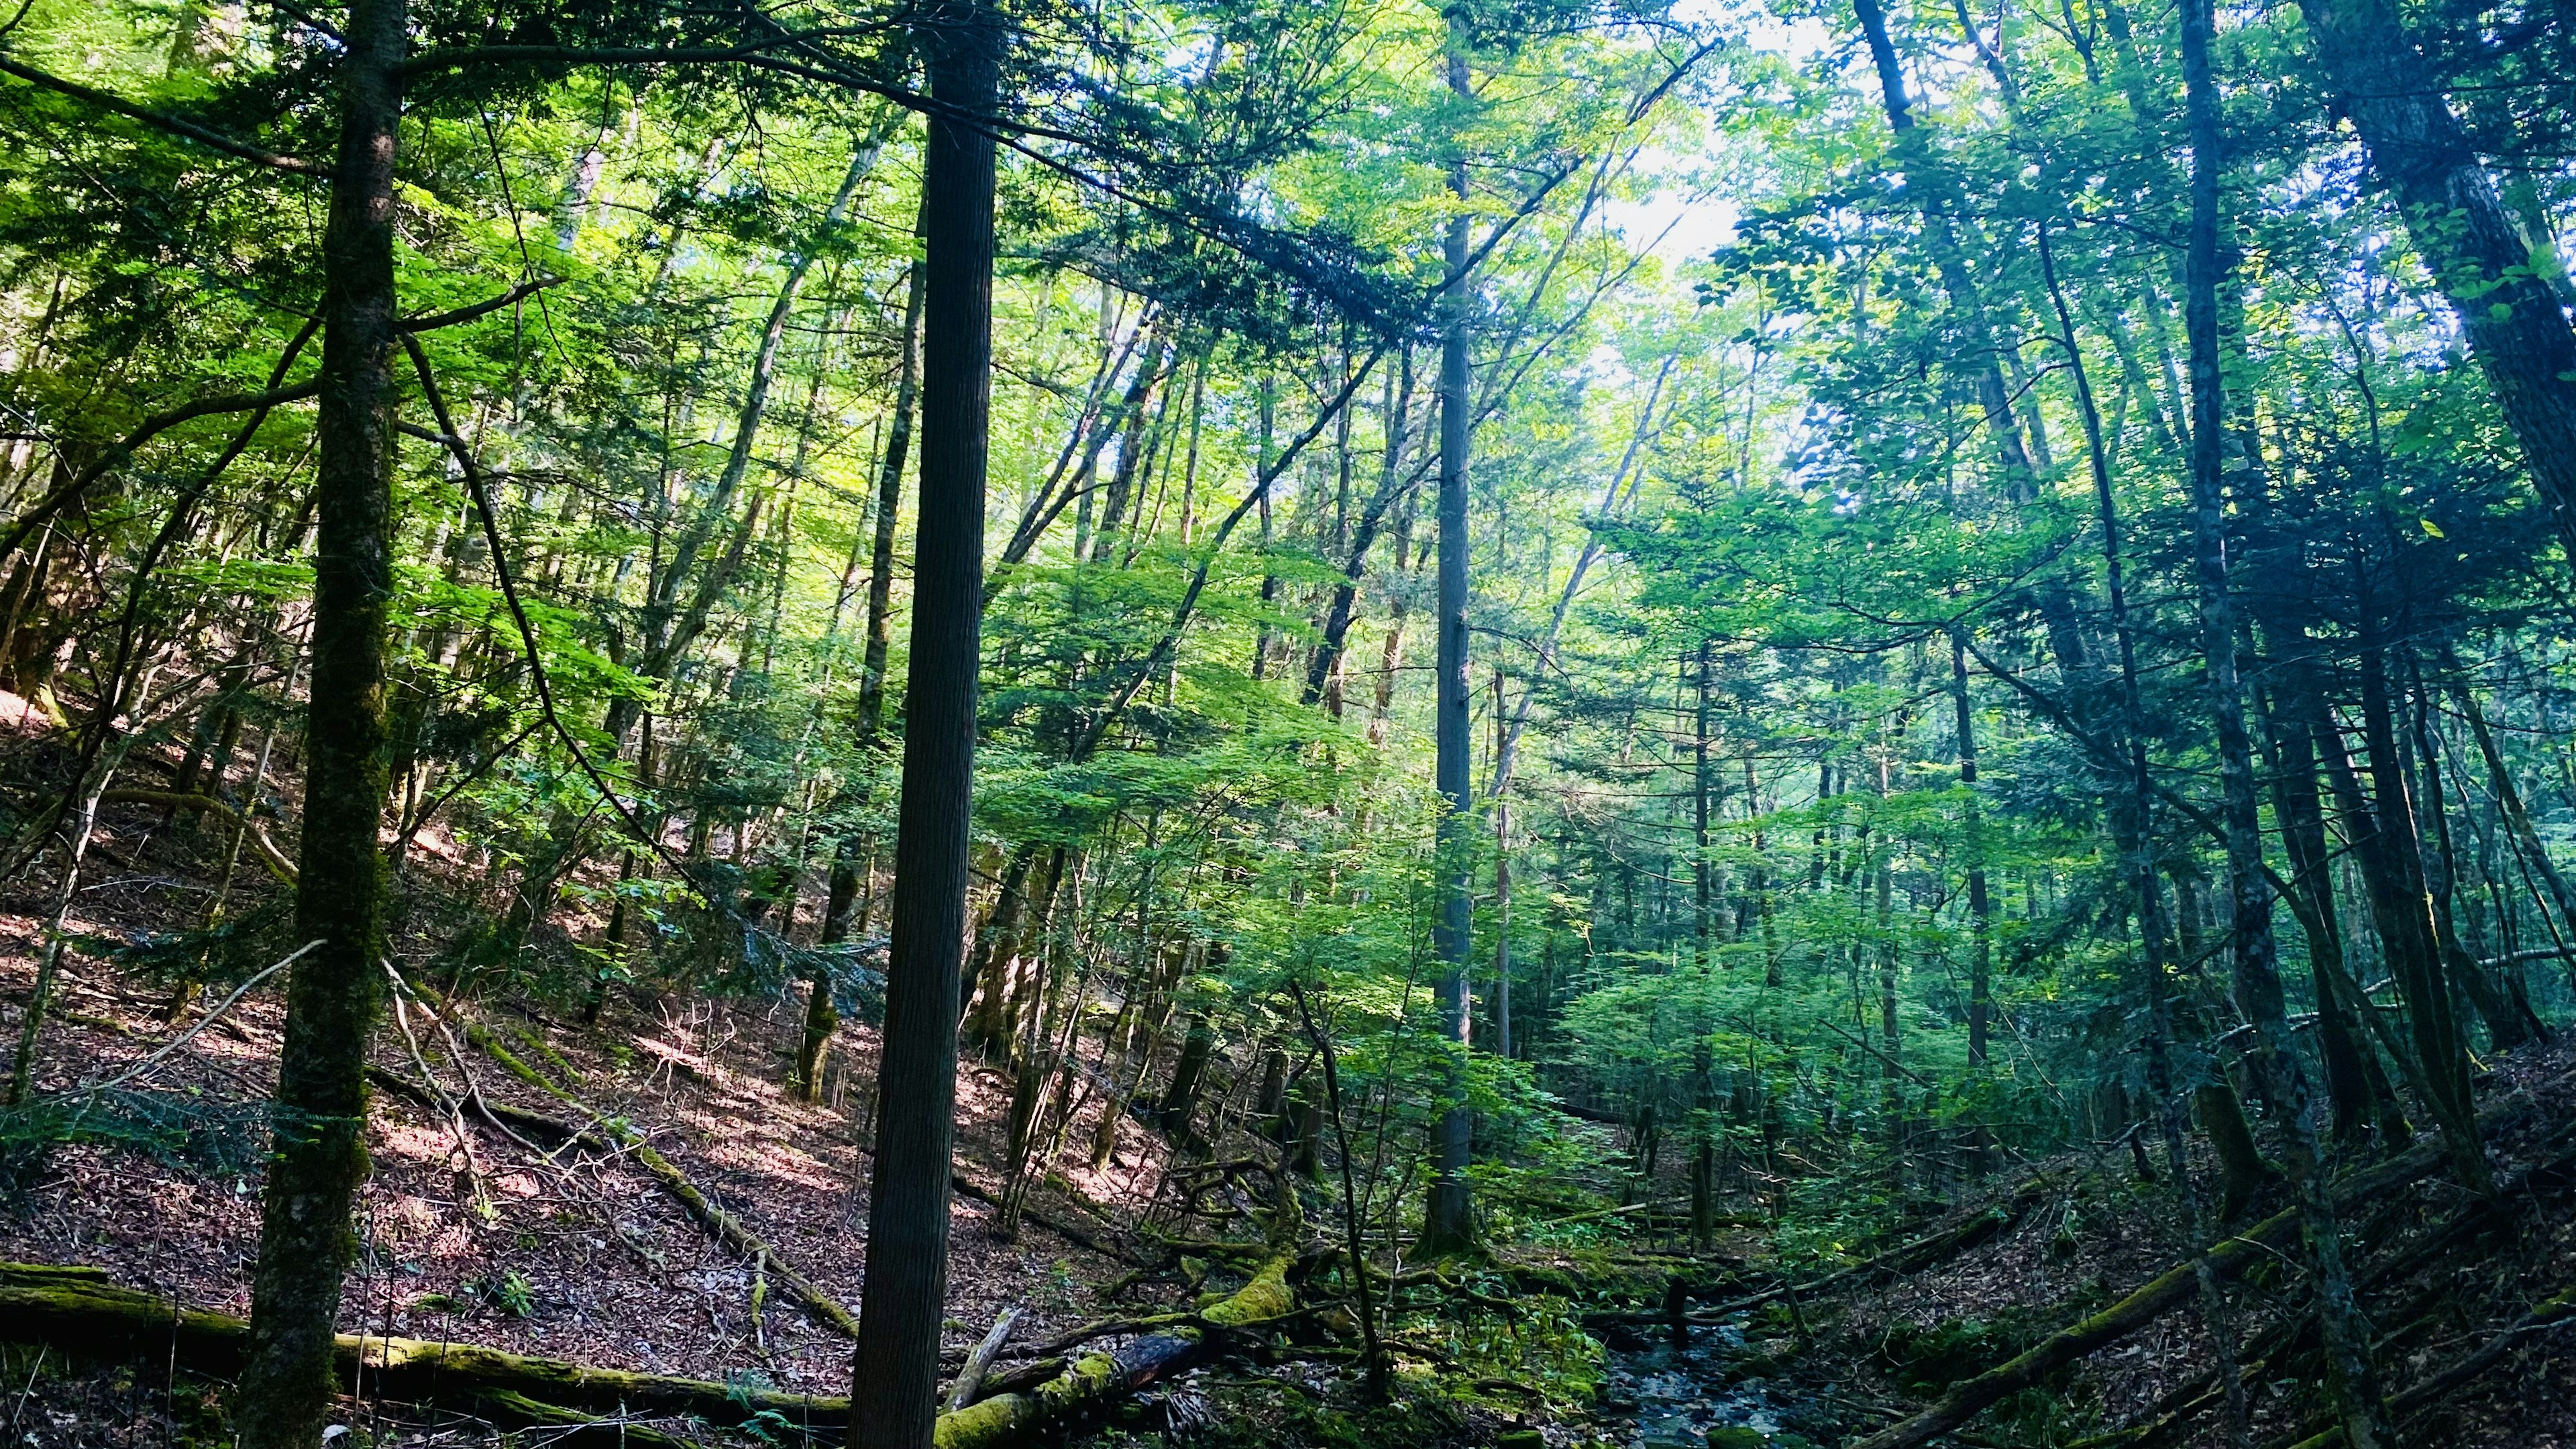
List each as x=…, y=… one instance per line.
x=1520, y=1439
x=1736, y=1436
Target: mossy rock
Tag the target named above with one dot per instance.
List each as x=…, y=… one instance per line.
x=1520, y=1439
x=1737, y=1436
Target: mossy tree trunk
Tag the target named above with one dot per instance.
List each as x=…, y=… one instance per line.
x=333, y=994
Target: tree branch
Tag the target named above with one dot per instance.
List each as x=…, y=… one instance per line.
x=179, y=126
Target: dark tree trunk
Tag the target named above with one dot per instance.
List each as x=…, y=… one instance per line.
x=2424, y=155
x=2509, y=1019
x=1981, y=909
x=2509, y=800
x=894, y=1393
x=841, y=893
x=1700, y=882
x=2349, y=1066
x=1928, y=179
x=1449, y=1222
x=1180, y=1101
x=2383, y=841
x=2352, y=1379
x=333, y=994
x=1339, y=614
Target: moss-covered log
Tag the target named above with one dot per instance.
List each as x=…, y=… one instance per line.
x=2148, y=1302
x=1092, y=1381
x=78, y=1310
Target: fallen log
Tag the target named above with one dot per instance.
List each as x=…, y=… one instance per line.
x=79, y=1310
x=1071, y=1232
x=2149, y=1302
x=978, y=1363
x=2272, y=1356
x=270, y=856
x=1093, y=1380
x=2546, y=1314
x=625, y=1138
x=1909, y=1257
x=608, y=1134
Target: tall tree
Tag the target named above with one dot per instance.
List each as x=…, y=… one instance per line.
x=1449, y=1222
x=894, y=1397
x=2517, y=327
x=318, y=1157
x=2353, y=1381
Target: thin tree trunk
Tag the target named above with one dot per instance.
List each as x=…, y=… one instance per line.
x=1449, y=1223
x=2134, y=827
x=894, y=1393
x=2509, y=801
x=1981, y=946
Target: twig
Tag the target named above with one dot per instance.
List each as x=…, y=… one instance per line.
x=182, y=1039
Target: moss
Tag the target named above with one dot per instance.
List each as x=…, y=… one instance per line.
x=1266, y=1296
x=1929, y=1360
x=980, y=1425
x=1736, y=1436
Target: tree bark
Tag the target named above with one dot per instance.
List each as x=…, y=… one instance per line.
x=896, y=1375
x=2352, y=1379
x=1449, y=1221
x=1981, y=945
x=2424, y=155
x=333, y=995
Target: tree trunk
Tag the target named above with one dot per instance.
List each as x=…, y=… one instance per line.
x=2352, y=1379
x=1499, y=1010
x=841, y=892
x=2382, y=836
x=1700, y=882
x=2349, y=1066
x=2509, y=801
x=1449, y=1221
x=1981, y=946
x=333, y=994
x=1180, y=1102
x=896, y=1374
x=2424, y=155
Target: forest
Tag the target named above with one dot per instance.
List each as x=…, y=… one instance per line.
x=1550, y=724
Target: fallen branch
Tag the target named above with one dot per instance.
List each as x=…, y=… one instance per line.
x=727, y=1228
x=2546, y=1314
x=1074, y=1233
x=971, y=1377
x=1909, y=1257
x=1088, y=1382
x=266, y=849
x=2144, y=1305
x=207, y=1020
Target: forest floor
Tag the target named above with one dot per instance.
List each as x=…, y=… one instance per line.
x=585, y=1256
x=2439, y=1278
x=581, y=1256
